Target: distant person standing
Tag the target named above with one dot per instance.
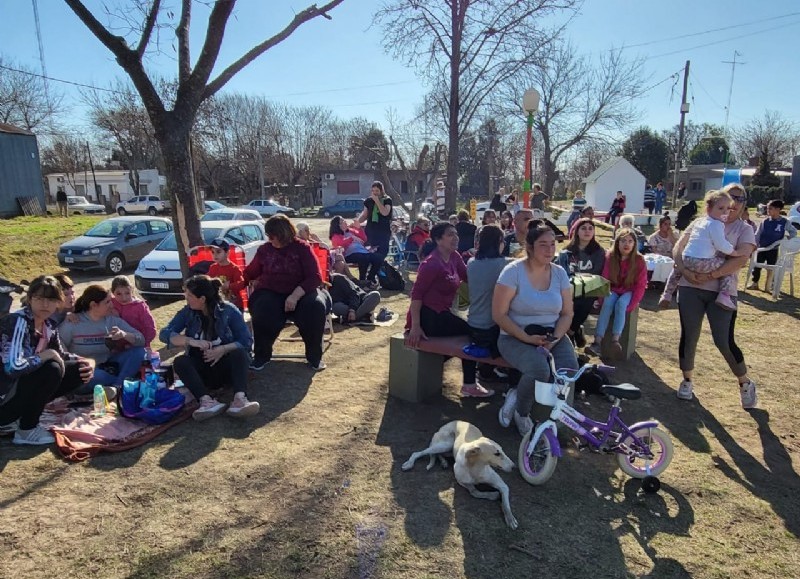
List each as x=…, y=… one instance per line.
x=377, y=215
x=538, y=197
x=61, y=201
x=649, y=200
x=439, y=199
x=661, y=197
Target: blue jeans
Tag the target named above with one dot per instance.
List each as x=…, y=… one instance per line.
x=616, y=304
x=129, y=362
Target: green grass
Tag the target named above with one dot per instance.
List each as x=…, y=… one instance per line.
x=29, y=245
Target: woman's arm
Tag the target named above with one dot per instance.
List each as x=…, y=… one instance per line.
x=340, y=240
x=174, y=328
x=565, y=318
x=733, y=264
x=149, y=322
x=639, y=286
x=253, y=270
x=415, y=333
x=363, y=217
x=241, y=334
x=383, y=208
x=501, y=302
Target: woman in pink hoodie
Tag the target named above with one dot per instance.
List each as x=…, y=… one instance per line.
x=627, y=272
x=132, y=309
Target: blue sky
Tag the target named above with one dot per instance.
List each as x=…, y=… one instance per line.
x=341, y=64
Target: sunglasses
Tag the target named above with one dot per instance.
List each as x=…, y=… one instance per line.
x=739, y=198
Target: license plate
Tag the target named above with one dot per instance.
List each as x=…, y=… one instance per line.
x=69, y=260
x=159, y=285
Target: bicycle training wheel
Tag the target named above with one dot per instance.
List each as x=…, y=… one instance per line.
x=540, y=465
x=660, y=446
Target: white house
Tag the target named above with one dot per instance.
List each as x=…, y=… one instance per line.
x=616, y=174
x=112, y=185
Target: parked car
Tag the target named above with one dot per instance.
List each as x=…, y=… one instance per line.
x=268, y=208
x=114, y=243
x=793, y=215
x=344, y=207
x=150, y=204
x=78, y=205
x=232, y=214
x=211, y=205
x=159, y=273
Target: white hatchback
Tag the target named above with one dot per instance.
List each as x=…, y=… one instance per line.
x=159, y=273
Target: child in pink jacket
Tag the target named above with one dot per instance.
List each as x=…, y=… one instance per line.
x=133, y=309
x=627, y=272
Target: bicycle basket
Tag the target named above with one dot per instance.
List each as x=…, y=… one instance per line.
x=546, y=393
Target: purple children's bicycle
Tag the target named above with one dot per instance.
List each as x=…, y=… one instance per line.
x=643, y=450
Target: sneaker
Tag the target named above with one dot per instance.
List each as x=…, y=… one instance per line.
x=241, y=406
x=475, y=391
x=664, y=304
x=9, y=429
x=319, y=367
x=726, y=302
x=209, y=408
x=258, y=364
x=685, y=390
x=508, y=407
x=752, y=285
x=747, y=392
x=35, y=436
x=580, y=339
x=594, y=349
x=524, y=423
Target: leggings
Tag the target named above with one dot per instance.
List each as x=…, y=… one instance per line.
x=36, y=389
x=368, y=264
x=582, y=307
x=443, y=324
x=693, y=304
x=198, y=375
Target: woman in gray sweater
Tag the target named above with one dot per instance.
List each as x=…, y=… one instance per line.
x=582, y=255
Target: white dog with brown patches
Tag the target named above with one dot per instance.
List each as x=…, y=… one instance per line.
x=476, y=457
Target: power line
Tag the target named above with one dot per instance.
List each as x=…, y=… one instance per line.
x=700, y=84
x=60, y=80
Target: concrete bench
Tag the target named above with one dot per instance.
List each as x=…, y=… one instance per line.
x=416, y=373
x=628, y=338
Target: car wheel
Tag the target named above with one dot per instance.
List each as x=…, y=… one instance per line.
x=152, y=211
x=115, y=263
x=326, y=213
x=121, y=211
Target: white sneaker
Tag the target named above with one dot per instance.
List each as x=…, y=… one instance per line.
x=209, y=408
x=35, y=436
x=524, y=423
x=9, y=429
x=321, y=366
x=685, y=390
x=507, y=409
x=242, y=407
x=747, y=392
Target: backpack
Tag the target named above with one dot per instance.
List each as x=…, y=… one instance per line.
x=168, y=403
x=390, y=279
x=589, y=285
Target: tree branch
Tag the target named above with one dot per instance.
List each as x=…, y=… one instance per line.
x=148, y=28
x=302, y=17
x=182, y=32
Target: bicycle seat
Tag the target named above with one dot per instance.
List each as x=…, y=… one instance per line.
x=625, y=391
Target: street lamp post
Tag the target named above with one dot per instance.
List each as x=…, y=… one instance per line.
x=530, y=104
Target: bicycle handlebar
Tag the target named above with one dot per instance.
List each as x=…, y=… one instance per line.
x=570, y=374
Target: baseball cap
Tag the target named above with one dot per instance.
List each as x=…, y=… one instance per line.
x=222, y=243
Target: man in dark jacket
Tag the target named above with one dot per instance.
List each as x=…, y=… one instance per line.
x=350, y=302
x=61, y=201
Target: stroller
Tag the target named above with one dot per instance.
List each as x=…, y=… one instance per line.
x=7, y=288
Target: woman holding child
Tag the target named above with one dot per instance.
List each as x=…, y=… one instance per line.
x=217, y=348
x=697, y=297
x=36, y=368
x=532, y=304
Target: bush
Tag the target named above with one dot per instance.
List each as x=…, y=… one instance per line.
x=759, y=194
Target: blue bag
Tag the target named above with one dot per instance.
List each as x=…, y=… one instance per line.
x=166, y=404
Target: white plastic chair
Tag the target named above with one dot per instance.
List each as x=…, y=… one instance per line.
x=788, y=249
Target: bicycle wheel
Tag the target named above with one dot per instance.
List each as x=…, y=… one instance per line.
x=660, y=446
x=540, y=465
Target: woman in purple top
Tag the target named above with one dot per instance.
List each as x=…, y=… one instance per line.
x=287, y=281
x=440, y=274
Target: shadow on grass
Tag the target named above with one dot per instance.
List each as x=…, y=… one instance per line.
x=787, y=304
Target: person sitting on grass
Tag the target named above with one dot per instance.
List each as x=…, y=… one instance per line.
x=217, y=348
x=440, y=274
x=116, y=347
x=351, y=303
x=36, y=368
x=229, y=274
x=131, y=308
x=627, y=272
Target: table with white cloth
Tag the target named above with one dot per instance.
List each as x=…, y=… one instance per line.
x=660, y=266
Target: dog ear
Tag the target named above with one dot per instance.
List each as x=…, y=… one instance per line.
x=474, y=451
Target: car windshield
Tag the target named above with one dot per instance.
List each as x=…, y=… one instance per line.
x=214, y=205
x=226, y=216
x=77, y=201
x=169, y=243
x=107, y=228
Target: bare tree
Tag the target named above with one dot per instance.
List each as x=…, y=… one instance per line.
x=772, y=139
x=465, y=49
x=65, y=154
x=581, y=102
x=194, y=85
x=24, y=99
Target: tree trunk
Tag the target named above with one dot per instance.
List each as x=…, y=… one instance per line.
x=174, y=144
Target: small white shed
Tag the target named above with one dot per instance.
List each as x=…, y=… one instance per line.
x=616, y=174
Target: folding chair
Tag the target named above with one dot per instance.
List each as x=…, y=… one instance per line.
x=788, y=249
x=200, y=259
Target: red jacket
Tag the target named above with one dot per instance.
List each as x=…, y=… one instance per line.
x=639, y=284
x=417, y=238
x=138, y=315
x=233, y=275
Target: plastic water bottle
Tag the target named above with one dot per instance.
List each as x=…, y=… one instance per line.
x=99, y=400
x=155, y=360
x=147, y=391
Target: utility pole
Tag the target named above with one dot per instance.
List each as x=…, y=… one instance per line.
x=94, y=177
x=733, y=64
x=684, y=110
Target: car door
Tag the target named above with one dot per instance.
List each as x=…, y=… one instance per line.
x=138, y=205
x=137, y=242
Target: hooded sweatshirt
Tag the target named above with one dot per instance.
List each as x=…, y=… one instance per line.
x=138, y=315
x=87, y=337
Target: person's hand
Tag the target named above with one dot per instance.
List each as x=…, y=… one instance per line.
x=86, y=369
x=202, y=345
x=50, y=354
x=290, y=304
x=692, y=277
x=351, y=316
x=73, y=318
x=415, y=334
x=214, y=355
x=536, y=340
x=117, y=334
